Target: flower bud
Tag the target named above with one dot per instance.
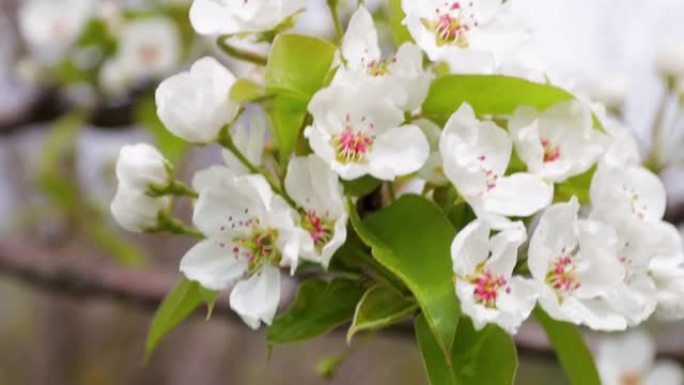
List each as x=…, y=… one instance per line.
x=140, y=165
x=136, y=211
x=195, y=105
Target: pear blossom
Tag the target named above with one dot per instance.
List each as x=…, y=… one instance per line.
x=195, y=105
x=484, y=283
x=51, y=27
x=148, y=48
x=250, y=233
x=142, y=165
x=469, y=33
x=401, y=73
x=476, y=155
x=136, y=211
x=629, y=359
x=220, y=17
x=557, y=143
x=358, y=132
x=315, y=188
x=432, y=170
x=575, y=263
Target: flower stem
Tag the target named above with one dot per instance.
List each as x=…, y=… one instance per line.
x=332, y=6
x=655, y=161
x=173, y=188
x=168, y=223
x=226, y=141
x=239, y=53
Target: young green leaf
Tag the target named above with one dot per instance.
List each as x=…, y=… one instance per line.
x=318, y=308
x=180, y=303
x=477, y=357
x=572, y=352
x=361, y=186
x=246, y=91
x=298, y=65
x=380, y=307
x=488, y=95
x=412, y=239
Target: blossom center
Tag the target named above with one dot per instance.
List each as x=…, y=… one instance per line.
x=149, y=54
x=551, y=151
x=258, y=248
x=487, y=286
x=451, y=24
x=352, y=146
x=562, y=275
x=319, y=227
x=380, y=67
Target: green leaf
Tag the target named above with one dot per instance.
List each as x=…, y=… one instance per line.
x=246, y=91
x=380, y=307
x=318, y=308
x=296, y=69
x=286, y=116
x=399, y=31
x=572, y=352
x=477, y=357
x=576, y=186
x=180, y=303
x=476, y=353
x=488, y=95
x=412, y=239
x=173, y=148
x=298, y=65
x=437, y=366
x=361, y=186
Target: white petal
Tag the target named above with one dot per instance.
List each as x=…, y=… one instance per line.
x=469, y=248
x=360, y=43
x=594, y=313
x=504, y=247
x=516, y=305
x=228, y=213
x=556, y=231
x=136, y=211
x=518, y=195
x=665, y=372
x=213, y=264
x=398, y=151
x=256, y=299
x=140, y=165
x=209, y=17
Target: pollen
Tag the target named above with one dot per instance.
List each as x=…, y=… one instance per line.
x=551, y=151
x=487, y=287
x=451, y=25
x=562, y=275
x=320, y=227
x=352, y=146
x=258, y=248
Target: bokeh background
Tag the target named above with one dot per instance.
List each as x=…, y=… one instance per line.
x=61, y=254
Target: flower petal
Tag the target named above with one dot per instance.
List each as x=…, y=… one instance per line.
x=256, y=299
x=398, y=151
x=213, y=264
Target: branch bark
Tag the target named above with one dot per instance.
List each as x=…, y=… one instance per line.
x=83, y=277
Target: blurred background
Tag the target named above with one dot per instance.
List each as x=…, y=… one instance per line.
x=77, y=294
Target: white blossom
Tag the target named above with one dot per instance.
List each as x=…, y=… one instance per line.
x=358, y=132
x=476, y=155
x=140, y=166
x=315, y=188
x=575, y=263
x=669, y=58
x=557, y=143
x=487, y=290
x=195, y=105
x=51, y=27
x=401, y=74
x=136, y=211
x=219, y=17
x=250, y=233
x=630, y=359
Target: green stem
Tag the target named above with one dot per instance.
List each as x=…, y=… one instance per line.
x=655, y=161
x=168, y=223
x=239, y=53
x=173, y=188
x=226, y=141
x=332, y=6
x=391, y=191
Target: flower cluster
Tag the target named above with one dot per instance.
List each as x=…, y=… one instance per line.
x=564, y=214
